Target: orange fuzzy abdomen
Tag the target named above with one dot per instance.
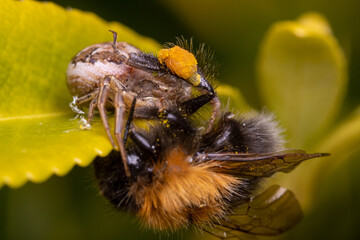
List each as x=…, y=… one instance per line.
x=182, y=193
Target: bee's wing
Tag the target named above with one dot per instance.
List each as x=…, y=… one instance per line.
x=258, y=164
x=272, y=212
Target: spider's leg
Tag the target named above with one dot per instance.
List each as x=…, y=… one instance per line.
x=215, y=102
x=87, y=97
x=119, y=126
x=91, y=110
x=103, y=97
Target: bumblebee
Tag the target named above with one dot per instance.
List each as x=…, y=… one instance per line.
x=182, y=175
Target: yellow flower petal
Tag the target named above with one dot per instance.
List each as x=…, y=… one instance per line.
x=302, y=76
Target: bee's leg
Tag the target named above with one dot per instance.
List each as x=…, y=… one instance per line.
x=129, y=120
x=119, y=126
x=103, y=97
x=136, y=137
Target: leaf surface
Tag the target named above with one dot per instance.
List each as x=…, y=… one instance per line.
x=37, y=136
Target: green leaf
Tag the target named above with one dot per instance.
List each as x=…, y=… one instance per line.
x=35, y=147
x=38, y=137
x=302, y=76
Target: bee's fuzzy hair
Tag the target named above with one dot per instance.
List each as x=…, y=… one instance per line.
x=182, y=193
x=251, y=132
x=175, y=193
x=264, y=131
x=170, y=187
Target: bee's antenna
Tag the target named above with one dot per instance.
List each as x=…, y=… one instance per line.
x=129, y=120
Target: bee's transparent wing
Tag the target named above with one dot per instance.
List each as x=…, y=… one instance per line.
x=259, y=164
x=272, y=212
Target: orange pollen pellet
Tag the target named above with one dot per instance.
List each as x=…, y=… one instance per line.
x=179, y=61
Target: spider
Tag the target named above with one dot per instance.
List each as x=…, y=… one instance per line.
x=108, y=76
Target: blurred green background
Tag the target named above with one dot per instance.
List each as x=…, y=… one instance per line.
x=70, y=207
